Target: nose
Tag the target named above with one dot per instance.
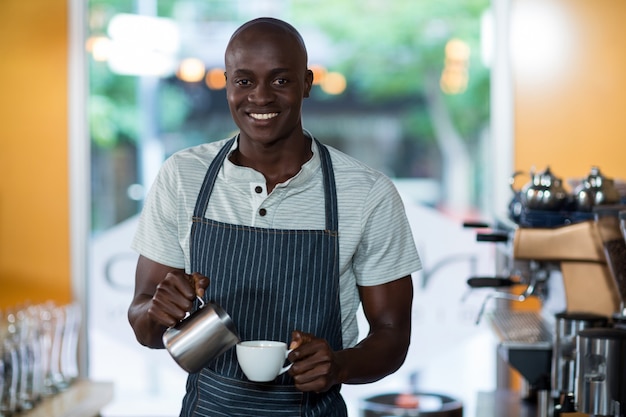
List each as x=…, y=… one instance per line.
x=261, y=94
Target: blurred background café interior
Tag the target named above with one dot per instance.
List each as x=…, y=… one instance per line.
x=501, y=122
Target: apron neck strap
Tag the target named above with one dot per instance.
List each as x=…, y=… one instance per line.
x=330, y=192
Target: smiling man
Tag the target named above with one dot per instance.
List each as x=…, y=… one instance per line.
x=288, y=235
x=266, y=79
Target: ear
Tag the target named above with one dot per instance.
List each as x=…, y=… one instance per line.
x=308, y=82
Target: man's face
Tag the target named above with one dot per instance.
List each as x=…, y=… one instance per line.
x=267, y=80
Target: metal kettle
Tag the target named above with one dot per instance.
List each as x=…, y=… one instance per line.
x=544, y=191
x=595, y=190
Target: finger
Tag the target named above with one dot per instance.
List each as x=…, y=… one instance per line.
x=200, y=282
x=181, y=283
x=174, y=290
x=296, y=339
x=299, y=338
x=166, y=311
x=319, y=383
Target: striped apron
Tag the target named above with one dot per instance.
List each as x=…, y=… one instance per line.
x=270, y=281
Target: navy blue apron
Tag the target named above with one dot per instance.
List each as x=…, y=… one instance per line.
x=270, y=281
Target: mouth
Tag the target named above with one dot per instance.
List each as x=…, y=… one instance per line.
x=263, y=116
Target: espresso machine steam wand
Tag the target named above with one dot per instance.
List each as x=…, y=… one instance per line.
x=538, y=272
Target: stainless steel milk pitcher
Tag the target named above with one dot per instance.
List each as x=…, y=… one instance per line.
x=201, y=337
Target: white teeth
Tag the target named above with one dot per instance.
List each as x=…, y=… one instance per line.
x=263, y=116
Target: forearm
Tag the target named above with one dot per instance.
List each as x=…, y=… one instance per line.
x=387, y=309
x=148, y=332
x=378, y=355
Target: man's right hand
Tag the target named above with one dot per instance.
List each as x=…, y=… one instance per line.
x=163, y=296
x=174, y=296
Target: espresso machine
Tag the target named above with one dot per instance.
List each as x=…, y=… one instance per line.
x=601, y=352
x=547, y=351
x=573, y=360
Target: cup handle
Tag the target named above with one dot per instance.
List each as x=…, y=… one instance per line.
x=285, y=368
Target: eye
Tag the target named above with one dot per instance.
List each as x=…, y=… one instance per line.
x=242, y=82
x=280, y=81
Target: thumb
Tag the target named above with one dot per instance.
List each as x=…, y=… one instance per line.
x=296, y=339
x=200, y=282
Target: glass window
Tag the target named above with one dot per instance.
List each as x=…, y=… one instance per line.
x=401, y=85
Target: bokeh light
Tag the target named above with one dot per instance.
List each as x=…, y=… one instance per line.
x=191, y=70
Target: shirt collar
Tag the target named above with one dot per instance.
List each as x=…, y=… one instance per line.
x=239, y=173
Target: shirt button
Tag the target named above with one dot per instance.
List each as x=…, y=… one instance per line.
x=258, y=189
x=262, y=212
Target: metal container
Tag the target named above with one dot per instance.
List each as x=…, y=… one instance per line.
x=568, y=324
x=601, y=372
x=544, y=191
x=596, y=190
x=201, y=337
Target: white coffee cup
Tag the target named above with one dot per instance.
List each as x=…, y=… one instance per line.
x=262, y=360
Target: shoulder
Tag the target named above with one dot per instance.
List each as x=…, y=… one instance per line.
x=191, y=160
x=202, y=154
x=352, y=173
x=185, y=169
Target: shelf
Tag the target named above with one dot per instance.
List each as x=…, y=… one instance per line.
x=82, y=399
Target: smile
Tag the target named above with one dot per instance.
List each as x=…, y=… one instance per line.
x=263, y=116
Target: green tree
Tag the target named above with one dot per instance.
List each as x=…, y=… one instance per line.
x=388, y=50
x=397, y=49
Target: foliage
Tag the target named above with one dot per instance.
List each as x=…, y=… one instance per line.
x=387, y=50
x=173, y=107
x=392, y=48
x=112, y=109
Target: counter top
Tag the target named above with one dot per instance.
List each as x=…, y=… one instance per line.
x=82, y=399
x=504, y=403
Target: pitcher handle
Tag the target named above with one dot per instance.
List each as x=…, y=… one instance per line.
x=201, y=300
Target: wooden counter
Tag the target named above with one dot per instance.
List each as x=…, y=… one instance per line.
x=82, y=399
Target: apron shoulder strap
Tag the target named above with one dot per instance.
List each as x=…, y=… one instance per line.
x=202, y=201
x=330, y=192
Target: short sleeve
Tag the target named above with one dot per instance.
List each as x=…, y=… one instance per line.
x=157, y=236
x=387, y=249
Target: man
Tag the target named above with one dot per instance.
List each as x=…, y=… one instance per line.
x=286, y=234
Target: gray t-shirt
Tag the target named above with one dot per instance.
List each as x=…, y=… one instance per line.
x=376, y=245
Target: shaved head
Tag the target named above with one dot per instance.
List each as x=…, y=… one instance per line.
x=267, y=27
x=266, y=80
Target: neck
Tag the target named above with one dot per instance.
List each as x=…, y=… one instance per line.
x=278, y=162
